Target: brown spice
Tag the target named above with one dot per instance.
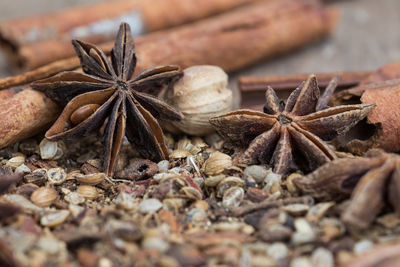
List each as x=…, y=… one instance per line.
x=372, y=181
x=53, y=31
x=25, y=114
x=117, y=96
x=291, y=81
x=381, y=88
x=284, y=130
x=299, y=23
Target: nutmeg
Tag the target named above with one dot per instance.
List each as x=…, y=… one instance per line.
x=200, y=94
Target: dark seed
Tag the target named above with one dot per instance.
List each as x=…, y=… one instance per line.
x=82, y=113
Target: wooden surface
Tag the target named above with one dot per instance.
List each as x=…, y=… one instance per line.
x=367, y=37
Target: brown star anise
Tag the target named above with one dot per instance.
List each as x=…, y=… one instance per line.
x=373, y=181
x=291, y=135
x=106, y=93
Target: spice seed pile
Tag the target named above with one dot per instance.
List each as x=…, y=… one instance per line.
x=114, y=182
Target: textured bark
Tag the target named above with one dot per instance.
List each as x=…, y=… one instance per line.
x=52, y=32
x=231, y=40
x=25, y=114
x=381, y=88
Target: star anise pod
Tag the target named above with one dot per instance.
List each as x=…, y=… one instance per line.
x=107, y=93
x=291, y=135
x=373, y=182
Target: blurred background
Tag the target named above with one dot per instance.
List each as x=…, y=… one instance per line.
x=366, y=38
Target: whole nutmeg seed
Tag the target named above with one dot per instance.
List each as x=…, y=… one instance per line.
x=200, y=94
x=44, y=196
x=217, y=163
x=88, y=191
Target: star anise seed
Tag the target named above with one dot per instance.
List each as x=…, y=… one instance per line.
x=106, y=93
x=291, y=135
x=373, y=181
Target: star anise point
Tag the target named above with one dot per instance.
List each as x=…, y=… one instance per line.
x=118, y=100
x=291, y=135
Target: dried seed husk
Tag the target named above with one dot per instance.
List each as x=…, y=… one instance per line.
x=213, y=181
x=57, y=176
x=88, y=191
x=48, y=149
x=227, y=183
x=217, y=163
x=54, y=218
x=290, y=184
x=16, y=161
x=191, y=193
x=125, y=201
x=91, y=179
x=44, y=196
x=233, y=197
x=179, y=154
x=174, y=204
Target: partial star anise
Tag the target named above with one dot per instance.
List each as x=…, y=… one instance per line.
x=291, y=135
x=373, y=181
x=106, y=93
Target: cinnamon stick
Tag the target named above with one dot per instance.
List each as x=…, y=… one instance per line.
x=291, y=81
x=25, y=114
x=382, y=127
x=232, y=40
x=27, y=38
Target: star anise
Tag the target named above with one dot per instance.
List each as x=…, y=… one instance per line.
x=373, y=182
x=291, y=135
x=106, y=93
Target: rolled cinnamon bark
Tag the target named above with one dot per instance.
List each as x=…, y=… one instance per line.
x=25, y=38
x=25, y=114
x=232, y=40
x=382, y=127
x=291, y=81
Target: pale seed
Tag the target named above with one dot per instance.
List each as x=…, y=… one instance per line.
x=233, y=197
x=54, y=218
x=92, y=179
x=56, y=176
x=48, y=149
x=179, y=154
x=15, y=162
x=217, y=163
x=88, y=192
x=44, y=196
